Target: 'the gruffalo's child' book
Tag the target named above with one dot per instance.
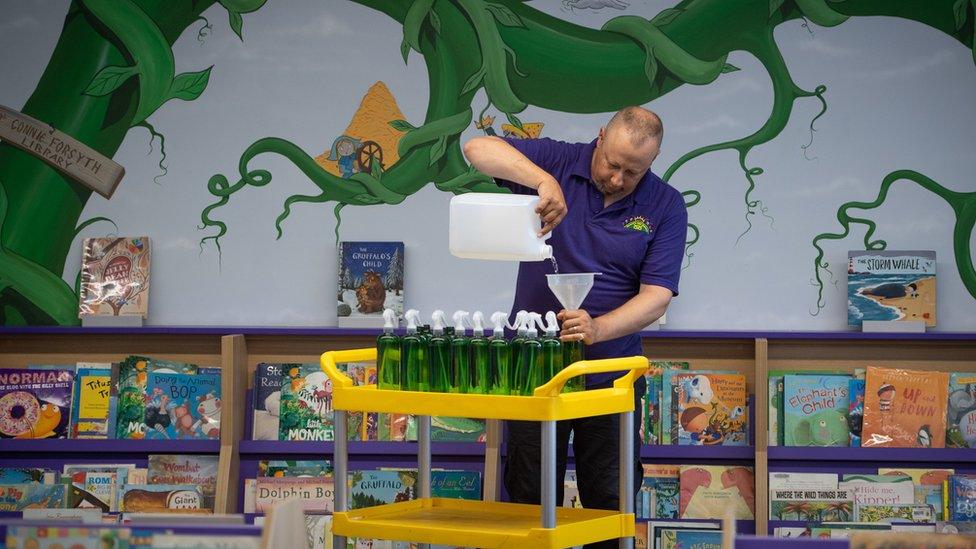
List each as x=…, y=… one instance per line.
x=904, y=408
x=35, y=403
x=306, y=404
x=815, y=410
x=183, y=406
x=961, y=420
x=370, y=280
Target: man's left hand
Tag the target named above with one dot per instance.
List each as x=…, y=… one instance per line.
x=578, y=325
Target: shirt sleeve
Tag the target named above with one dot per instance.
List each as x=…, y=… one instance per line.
x=662, y=262
x=546, y=153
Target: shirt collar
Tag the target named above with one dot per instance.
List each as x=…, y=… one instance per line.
x=641, y=195
x=582, y=167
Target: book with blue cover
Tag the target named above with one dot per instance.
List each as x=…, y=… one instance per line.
x=815, y=409
x=128, y=412
x=962, y=497
x=370, y=280
x=183, y=406
x=372, y=488
x=961, y=416
x=456, y=484
x=855, y=411
x=17, y=497
x=35, y=402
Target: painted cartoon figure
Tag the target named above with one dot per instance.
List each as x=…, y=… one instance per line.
x=886, y=395
x=344, y=150
x=925, y=436
x=208, y=408
x=316, y=393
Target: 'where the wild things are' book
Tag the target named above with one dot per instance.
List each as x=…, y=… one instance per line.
x=891, y=285
x=370, y=280
x=115, y=276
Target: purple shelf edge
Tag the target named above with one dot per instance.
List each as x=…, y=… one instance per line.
x=938, y=455
x=374, y=448
x=654, y=451
x=334, y=331
x=115, y=446
x=758, y=542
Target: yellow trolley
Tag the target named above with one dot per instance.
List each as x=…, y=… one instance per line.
x=481, y=523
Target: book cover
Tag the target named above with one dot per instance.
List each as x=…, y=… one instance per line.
x=962, y=497
x=774, y=396
x=266, y=399
x=306, y=404
x=891, y=285
x=17, y=497
x=20, y=475
x=456, y=429
x=370, y=280
x=708, y=490
x=35, y=403
x=319, y=529
x=904, y=408
x=102, y=484
x=879, y=489
x=199, y=470
x=928, y=485
x=701, y=539
x=901, y=512
x=670, y=381
x=666, y=497
x=660, y=532
x=456, y=484
x=316, y=493
x=815, y=410
x=651, y=401
x=130, y=404
x=811, y=505
x=161, y=498
x=855, y=412
x=802, y=481
x=395, y=427
x=710, y=409
x=640, y=535
x=294, y=468
x=961, y=414
x=372, y=488
x=60, y=537
x=115, y=276
x=182, y=406
x=89, y=402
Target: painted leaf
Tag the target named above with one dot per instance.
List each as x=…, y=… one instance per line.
x=666, y=16
x=437, y=150
x=774, y=5
x=237, y=24
x=504, y=15
x=729, y=67
x=959, y=11
x=513, y=120
x=473, y=81
x=402, y=125
x=650, y=66
x=405, y=50
x=189, y=85
x=435, y=21
x=109, y=79
x=375, y=169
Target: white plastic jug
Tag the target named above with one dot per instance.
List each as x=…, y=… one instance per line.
x=497, y=226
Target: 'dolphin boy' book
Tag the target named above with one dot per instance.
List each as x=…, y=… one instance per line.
x=370, y=280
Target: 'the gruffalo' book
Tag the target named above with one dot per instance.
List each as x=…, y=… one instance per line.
x=904, y=408
x=815, y=410
x=891, y=285
x=370, y=280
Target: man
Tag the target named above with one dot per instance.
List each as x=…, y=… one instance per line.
x=609, y=214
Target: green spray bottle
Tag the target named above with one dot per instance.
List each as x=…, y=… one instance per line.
x=460, y=355
x=572, y=353
x=552, y=350
x=440, y=355
x=480, y=366
x=515, y=348
x=499, y=357
x=413, y=354
x=388, y=353
x=528, y=368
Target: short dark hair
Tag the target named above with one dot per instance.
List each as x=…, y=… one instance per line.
x=640, y=123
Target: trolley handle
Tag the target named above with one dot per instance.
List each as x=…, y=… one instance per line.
x=634, y=366
x=331, y=358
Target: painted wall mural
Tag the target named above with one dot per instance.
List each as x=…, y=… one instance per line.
x=486, y=62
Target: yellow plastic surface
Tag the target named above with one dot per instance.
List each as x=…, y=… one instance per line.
x=546, y=404
x=465, y=523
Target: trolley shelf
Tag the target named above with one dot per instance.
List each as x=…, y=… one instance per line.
x=482, y=524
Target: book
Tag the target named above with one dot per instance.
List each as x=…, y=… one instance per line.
x=961, y=413
x=811, y=505
x=20, y=475
x=161, y=498
x=899, y=512
x=571, y=497
x=316, y=493
x=17, y=497
x=130, y=404
x=89, y=402
x=962, y=497
x=657, y=530
x=904, y=408
x=697, y=539
x=891, y=285
x=372, y=488
x=651, y=401
x=267, y=400
x=319, y=529
x=855, y=412
x=815, y=410
x=708, y=490
x=774, y=396
x=199, y=470
x=114, y=276
x=370, y=280
x=710, y=409
x=456, y=484
x=35, y=403
x=306, y=404
x=802, y=481
x=456, y=429
x=879, y=489
x=928, y=485
x=294, y=468
x=182, y=406
x=102, y=484
x=670, y=382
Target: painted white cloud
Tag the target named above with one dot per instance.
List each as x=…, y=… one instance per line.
x=725, y=90
x=913, y=68
x=19, y=24
x=721, y=121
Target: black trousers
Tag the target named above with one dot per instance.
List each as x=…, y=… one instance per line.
x=595, y=450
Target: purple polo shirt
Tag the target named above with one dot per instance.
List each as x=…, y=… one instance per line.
x=640, y=239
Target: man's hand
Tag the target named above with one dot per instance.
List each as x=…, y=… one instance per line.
x=578, y=325
x=552, y=205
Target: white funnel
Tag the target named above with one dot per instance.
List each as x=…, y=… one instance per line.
x=571, y=289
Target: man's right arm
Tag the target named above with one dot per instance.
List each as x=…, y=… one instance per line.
x=495, y=157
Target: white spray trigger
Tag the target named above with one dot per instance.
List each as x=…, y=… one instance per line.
x=553, y=326
x=389, y=320
x=478, y=323
x=499, y=320
x=460, y=319
x=412, y=317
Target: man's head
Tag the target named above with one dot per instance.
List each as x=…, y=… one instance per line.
x=625, y=150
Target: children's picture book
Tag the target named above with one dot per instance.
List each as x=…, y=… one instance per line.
x=815, y=410
x=774, y=396
x=699, y=539
x=35, y=403
x=372, y=488
x=200, y=470
x=710, y=409
x=370, y=280
x=161, y=498
x=316, y=493
x=928, y=485
x=904, y=408
x=397, y=427
x=660, y=530
x=130, y=405
x=456, y=484
x=811, y=505
x=708, y=490
x=115, y=276
x=17, y=497
x=319, y=529
x=666, y=494
x=267, y=400
x=306, y=404
x=891, y=285
x=651, y=401
x=961, y=414
x=962, y=497
x=456, y=429
x=902, y=512
x=182, y=406
x=89, y=402
x=779, y=480
x=19, y=475
x=100, y=483
x=855, y=412
x=879, y=489
x=294, y=468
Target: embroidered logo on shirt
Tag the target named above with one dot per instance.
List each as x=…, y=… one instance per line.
x=639, y=224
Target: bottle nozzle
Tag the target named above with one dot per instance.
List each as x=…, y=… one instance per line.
x=460, y=319
x=520, y=320
x=389, y=320
x=478, y=323
x=440, y=320
x=553, y=326
x=499, y=320
x=413, y=319
x=530, y=323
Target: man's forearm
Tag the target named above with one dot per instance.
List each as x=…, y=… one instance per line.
x=494, y=157
x=634, y=315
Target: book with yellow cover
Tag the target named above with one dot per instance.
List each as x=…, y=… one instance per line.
x=708, y=490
